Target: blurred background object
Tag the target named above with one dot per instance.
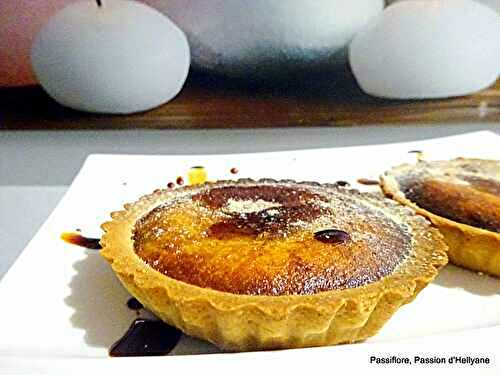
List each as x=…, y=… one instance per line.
x=20, y=20
x=262, y=39
x=280, y=38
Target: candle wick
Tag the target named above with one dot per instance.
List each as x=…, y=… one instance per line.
x=99, y=3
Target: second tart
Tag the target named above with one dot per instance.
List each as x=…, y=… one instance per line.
x=462, y=199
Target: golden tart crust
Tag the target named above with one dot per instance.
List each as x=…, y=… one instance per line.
x=462, y=199
x=322, y=308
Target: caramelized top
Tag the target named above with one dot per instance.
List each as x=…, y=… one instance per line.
x=272, y=239
x=463, y=190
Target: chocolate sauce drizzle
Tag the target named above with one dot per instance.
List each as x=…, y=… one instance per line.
x=146, y=337
x=82, y=241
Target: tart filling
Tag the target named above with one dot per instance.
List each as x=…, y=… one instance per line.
x=462, y=198
x=272, y=264
x=261, y=241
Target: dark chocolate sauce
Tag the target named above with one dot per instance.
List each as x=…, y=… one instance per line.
x=146, y=337
x=79, y=240
x=179, y=181
x=234, y=171
x=342, y=183
x=367, y=181
x=170, y=185
x=332, y=236
x=134, y=304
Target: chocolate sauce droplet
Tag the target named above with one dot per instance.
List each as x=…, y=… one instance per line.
x=342, y=183
x=170, y=185
x=146, y=337
x=367, y=181
x=234, y=170
x=332, y=236
x=134, y=304
x=179, y=181
x=79, y=240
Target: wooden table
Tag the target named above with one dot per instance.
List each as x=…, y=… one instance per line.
x=208, y=102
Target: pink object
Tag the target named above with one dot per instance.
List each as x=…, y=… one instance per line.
x=20, y=20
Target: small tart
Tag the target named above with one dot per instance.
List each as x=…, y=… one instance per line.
x=462, y=199
x=267, y=264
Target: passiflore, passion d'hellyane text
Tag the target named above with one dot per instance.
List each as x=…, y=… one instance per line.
x=430, y=360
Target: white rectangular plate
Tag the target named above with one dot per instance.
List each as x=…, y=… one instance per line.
x=63, y=302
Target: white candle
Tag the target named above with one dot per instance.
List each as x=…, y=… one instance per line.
x=110, y=56
x=428, y=49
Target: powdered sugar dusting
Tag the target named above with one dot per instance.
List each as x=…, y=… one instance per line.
x=234, y=206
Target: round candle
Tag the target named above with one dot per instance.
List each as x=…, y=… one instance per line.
x=110, y=56
x=428, y=49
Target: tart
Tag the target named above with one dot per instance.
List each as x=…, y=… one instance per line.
x=266, y=264
x=462, y=199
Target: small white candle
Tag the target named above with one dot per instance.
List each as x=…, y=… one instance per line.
x=110, y=56
x=428, y=49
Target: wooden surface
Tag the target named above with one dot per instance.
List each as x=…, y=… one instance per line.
x=208, y=102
